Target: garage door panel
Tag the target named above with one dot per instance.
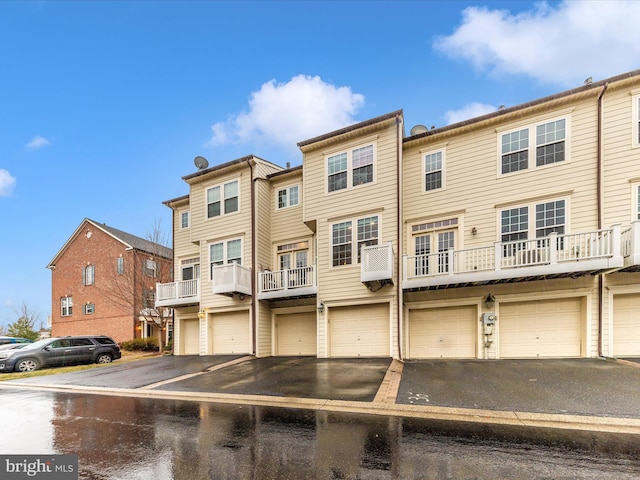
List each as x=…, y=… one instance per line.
x=626, y=325
x=230, y=333
x=541, y=328
x=296, y=334
x=443, y=332
x=359, y=331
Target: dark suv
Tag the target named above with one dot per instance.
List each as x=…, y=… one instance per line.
x=60, y=351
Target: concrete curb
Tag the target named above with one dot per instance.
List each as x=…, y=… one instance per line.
x=495, y=417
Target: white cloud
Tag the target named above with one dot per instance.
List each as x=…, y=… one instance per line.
x=7, y=182
x=557, y=45
x=37, y=142
x=287, y=113
x=471, y=110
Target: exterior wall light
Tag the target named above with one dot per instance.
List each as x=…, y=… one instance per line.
x=490, y=301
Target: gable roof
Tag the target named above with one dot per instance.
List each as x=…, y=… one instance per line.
x=131, y=242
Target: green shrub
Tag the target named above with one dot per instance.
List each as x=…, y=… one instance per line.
x=169, y=346
x=140, y=345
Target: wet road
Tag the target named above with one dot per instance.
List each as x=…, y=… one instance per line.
x=124, y=438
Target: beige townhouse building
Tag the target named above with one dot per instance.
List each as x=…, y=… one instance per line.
x=511, y=235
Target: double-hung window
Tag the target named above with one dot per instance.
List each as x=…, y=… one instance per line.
x=550, y=142
x=222, y=199
x=337, y=171
x=66, y=306
x=517, y=225
x=545, y=142
x=433, y=171
x=226, y=252
x=343, y=242
x=148, y=299
x=288, y=196
x=367, y=233
x=149, y=267
x=351, y=168
x=362, y=164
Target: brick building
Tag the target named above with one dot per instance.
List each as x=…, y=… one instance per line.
x=102, y=279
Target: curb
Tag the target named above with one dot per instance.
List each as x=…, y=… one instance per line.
x=494, y=417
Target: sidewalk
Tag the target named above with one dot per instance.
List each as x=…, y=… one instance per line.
x=582, y=394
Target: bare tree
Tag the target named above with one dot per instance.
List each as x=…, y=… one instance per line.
x=24, y=324
x=132, y=286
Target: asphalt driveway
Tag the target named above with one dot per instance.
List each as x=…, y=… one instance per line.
x=136, y=374
x=592, y=387
x=581, y=386
x=355, y=379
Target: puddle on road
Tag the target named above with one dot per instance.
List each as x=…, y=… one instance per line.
x=129, y=438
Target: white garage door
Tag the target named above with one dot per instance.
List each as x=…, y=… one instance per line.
x=296, y=334
x=190, y=333
x=450, y=332
x=542, y=328
x=230, y=332
x=359, y=331
x=626, y=325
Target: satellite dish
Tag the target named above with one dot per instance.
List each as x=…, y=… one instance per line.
x=201, y=162
x=418, y=129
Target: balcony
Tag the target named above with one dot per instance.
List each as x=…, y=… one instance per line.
x=174, y=294
x=554, y=256
x=631, y=246
x=231, y=279
x=376, y=264
x=292, y=282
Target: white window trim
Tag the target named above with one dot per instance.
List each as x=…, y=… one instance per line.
x=434, y=232
x=635, y=109
x=531, y=227
x=354, y=239
x=225, y=259
x=88, y=275
x=349, y=152
x=66, y=304
x=635, y=205
x=532, y=145
x=442, y=169
x=222, y=199
x=288, y=189
x=180, y=214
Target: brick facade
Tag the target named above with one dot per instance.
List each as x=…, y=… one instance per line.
x=116, y=296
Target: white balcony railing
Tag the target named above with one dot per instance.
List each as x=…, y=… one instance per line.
x=231, y=278
x=631, y=245
x=554, y=254
x=376, y=262
x=177, y=293
x=288, y=282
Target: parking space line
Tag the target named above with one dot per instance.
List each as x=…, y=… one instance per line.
x=190, y=375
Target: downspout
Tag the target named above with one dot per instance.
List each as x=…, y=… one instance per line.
x=599, y=197
x=253, y=260
x=399, y=299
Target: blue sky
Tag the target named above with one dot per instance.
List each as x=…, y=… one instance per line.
x=104, y=104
